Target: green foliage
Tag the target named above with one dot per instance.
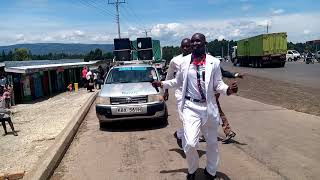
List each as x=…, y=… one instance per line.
x=21, y=54
x=168, y=52
x=98, y=55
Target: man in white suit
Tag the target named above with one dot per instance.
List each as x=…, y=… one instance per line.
x=172, y=70
x=200, y=77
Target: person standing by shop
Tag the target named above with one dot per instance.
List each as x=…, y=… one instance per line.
x=90, y=81
x=84, y=76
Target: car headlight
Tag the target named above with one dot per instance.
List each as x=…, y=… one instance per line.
x=103, y=100
x=155, y=98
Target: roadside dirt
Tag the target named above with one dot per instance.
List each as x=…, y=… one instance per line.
x=37, y=124
x=279, y=93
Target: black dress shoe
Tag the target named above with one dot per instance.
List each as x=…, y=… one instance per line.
x=209, y=176
x=229, y=137
x=202, y=139
x=191, y=176
x=179, y=141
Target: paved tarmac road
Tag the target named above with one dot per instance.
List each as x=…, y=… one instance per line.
x=271, y=143
x=294, y=72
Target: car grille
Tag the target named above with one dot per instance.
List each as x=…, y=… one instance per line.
x=129, y=100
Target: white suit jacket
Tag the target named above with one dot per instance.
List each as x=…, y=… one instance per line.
x=174, y=67
x=213, y=83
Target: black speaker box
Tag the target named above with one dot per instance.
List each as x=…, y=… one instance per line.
x=123, y=43
x=124, y=55
x=145, y=54
x=144, y=43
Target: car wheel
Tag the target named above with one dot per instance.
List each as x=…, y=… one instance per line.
x=254, y=63
x=258, y=63
x=103, y=125
x=164, y=120
x=289, y=59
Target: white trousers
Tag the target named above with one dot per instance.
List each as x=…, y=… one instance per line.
x=180, y=132
x=195, y=120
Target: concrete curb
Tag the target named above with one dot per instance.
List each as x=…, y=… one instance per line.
x=52, y=157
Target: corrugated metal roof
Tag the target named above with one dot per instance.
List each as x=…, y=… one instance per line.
x=40, y=62
x=45, y=67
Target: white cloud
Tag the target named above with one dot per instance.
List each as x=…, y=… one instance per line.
x=20, y=37
x=221, y=37
x=235, y=33
x=299, y=27
x=306, y=31
x=246, y=7
x=277, y=11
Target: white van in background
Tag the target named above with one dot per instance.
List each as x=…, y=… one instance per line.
x=293, y=55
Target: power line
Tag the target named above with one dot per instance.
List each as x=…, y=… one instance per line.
x=127, y=16
x=102, y=11
x=101, y=7
x=139, y=23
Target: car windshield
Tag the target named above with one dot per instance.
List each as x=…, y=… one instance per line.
x=131, y=75
x=296, y=52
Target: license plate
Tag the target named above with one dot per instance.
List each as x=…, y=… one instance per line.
x=129, y=109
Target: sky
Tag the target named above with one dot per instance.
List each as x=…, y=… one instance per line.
x=94, y=21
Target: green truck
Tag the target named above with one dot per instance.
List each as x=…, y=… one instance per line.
x=261, y=50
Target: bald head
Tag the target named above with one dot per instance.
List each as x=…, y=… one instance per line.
x=199, y=36
x=198, y=42
x=185, y=46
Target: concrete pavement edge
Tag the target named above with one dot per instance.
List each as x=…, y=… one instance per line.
x=51, y=158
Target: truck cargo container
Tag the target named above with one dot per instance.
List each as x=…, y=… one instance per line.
x=262, y=50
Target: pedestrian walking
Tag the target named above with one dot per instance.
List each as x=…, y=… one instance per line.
x=200, y=77
x=5, y=116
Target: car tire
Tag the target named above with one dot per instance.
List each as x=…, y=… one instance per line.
x=164, y=120
x=103, y=125
x=254, y=63
x=259, y=64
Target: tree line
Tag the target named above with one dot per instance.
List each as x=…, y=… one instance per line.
x=23, y=54
x=221, y=48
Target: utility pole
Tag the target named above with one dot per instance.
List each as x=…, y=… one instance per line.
x=228, y=56
x=117, y=15
x=146, y=32
x=267, y=27
x=222, y=51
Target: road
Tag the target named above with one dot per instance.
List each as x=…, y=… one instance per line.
x=271, y=143
x=294, y=72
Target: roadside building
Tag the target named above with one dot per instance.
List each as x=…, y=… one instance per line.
x=32, y=80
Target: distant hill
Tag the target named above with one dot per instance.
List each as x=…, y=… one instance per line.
x=46, y=48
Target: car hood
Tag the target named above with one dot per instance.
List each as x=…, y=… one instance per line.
x=128, y=89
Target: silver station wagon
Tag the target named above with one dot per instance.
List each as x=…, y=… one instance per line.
x=128, y=94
